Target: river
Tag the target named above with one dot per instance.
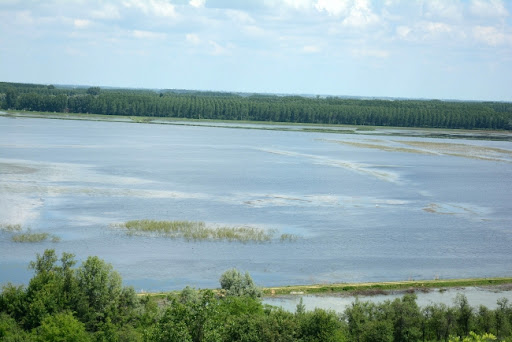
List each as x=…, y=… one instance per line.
x=362, y=207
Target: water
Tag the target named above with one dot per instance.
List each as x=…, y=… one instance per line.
x=365, y=207
x=476, y=297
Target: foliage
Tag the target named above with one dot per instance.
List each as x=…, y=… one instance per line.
x=62, y=327
x=228, y=106
x=235, y=283
x=473, y=337
x=88, y=303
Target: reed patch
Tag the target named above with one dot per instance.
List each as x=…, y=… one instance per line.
x=19, y=234
x=200, y=231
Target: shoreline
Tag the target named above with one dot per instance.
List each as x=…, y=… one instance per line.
x=418, y=132
x=373, y=288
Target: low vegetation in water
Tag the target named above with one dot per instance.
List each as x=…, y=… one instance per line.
x=198, y=231
x=27, y=235
x=11, y=228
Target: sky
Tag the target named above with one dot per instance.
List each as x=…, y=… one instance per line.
x=434, y=49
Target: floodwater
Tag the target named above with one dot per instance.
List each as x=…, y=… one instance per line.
x=364, y=207
x=476, y=296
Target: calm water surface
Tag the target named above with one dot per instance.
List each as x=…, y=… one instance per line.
x=476, y=297
x=365, y=208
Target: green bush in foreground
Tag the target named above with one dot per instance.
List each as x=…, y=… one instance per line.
x=88, y=303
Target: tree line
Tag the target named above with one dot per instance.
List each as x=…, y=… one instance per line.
x=270, y=108
x=89, y=303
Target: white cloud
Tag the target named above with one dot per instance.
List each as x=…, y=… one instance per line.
x=488, y=8
x=298, y=4
x=490, y=35
x=81, y=23
x=217, y=49
x=403, y=31
x=443, y=9
x=311, y=49
x=161, y=8
x=197, y=3
x=148, y=35
x=434, y=28
x=240, y=17
x=356, y=13
x=428, y=31
x=370, y=53
x=255, y=31
x=333, y=7
x=108, y=11
x=193, y=38
x=361, y=15
x=24, y=18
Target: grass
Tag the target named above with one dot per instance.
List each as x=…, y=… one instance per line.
x=30, y=237
x=141, y=119
x=288, y=237
x=11, y=228
x=18, y=235
x=381, y=287
x=199, y=231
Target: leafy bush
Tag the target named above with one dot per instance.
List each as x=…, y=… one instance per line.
x=235, y=283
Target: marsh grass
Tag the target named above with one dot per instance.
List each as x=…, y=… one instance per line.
x=11, y=228
x=141, y=119
x=288, y=238
x=19, y=235
x=30, y=237
x=199, y=231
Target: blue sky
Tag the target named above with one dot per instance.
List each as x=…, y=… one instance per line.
x=460, y=49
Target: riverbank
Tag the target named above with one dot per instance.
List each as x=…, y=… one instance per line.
x=378, y=288
x=383, y=287
x=443, y=133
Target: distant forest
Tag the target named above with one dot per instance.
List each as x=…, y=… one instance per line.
x=256, y=107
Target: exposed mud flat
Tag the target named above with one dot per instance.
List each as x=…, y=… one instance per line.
x=434, y=148
x=367, y=169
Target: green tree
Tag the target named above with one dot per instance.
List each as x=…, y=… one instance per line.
x=99, y=289
x=235, y=283
x=62, y=327
x=320, y=326
x=94, y=91
x=10, y=98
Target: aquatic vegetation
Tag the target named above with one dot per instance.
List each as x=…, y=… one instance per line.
x=11, y=228
x=288, y=237
x=198, y=231
x=19, y=235
x=30, y=237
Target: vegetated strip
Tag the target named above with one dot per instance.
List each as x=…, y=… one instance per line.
x=382, y=287
x=355, y=289
x=257, y=107
x=198, y=231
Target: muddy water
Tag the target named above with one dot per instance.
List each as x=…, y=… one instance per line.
x=364, y=208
